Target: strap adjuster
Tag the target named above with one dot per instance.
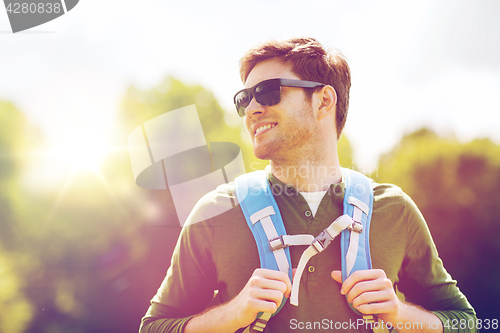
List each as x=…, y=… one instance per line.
x=356, y=227
x=277, y=243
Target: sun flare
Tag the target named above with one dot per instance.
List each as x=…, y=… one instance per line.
x=85, y=156
x=83, y=148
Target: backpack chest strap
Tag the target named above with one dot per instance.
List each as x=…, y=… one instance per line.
x=290, y=240
x=319, y=243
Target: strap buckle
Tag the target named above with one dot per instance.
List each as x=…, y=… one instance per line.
x=322, y=241
x=356, y=227
x=277, y=243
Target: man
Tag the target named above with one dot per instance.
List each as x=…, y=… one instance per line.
x=297, y=130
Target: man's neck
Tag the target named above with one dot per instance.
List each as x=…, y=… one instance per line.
x=309, y=175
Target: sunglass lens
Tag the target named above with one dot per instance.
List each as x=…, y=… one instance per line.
x=268, y=93
x=242, y=101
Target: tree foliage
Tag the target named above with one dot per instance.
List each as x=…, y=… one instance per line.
x=345, y=153
x=15, y=310
x=456, y=186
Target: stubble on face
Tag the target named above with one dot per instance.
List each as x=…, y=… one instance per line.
x=295, y=131
x=293, y=136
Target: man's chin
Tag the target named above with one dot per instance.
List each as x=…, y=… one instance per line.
x=262, y=153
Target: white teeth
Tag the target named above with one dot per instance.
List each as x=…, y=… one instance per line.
x=260, y=129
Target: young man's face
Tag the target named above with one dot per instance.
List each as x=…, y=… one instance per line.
x=291, y=121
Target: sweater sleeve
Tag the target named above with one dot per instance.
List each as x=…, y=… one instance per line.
x=425, y=281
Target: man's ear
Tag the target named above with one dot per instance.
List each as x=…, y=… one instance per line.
x=326, y=102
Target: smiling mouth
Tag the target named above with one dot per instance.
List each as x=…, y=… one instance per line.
x=263, y=128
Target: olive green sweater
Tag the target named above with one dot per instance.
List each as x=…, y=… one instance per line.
x=220, y=253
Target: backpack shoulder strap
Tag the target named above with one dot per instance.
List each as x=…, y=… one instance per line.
x=358, y=204
x=263, y=218
x=355, y=244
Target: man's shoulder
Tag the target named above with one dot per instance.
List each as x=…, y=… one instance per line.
x=392, y=203
x=214, y=203
x=386, y=190
x=387, y=195
x=222, y=200
x=220, y=194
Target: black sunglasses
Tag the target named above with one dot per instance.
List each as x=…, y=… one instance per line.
x=268, y=92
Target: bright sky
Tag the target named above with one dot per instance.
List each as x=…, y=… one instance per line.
x=413, y=63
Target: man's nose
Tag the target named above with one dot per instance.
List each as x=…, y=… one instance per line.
x=254, y=108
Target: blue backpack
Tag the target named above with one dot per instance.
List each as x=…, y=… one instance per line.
x=264, y=220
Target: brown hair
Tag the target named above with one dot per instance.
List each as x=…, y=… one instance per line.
x=310, y=62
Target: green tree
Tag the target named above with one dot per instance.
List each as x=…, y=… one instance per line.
x=60, y=248
x=456, y=186
x=345, y=152
x=15, y=310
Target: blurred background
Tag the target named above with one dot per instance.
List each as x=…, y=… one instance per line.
x=83, y=249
